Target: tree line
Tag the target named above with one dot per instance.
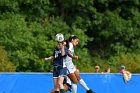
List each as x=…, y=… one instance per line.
x=109, y=33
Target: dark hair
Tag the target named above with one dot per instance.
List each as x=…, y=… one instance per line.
x=72, y=37
x=67, y=43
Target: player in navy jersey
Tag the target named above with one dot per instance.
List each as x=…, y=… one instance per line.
x=59, y=67
x=67, y=81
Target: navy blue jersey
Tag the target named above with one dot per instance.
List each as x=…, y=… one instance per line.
x=58, y=58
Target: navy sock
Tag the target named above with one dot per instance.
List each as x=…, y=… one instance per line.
x=61, y=90
x=56, y=91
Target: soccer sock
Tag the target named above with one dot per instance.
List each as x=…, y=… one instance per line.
x=82, y=82
x=74, y=88
x=68, y=80
x=56, y=91
x=61, y=90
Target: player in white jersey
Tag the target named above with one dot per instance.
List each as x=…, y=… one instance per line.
x=73, y=73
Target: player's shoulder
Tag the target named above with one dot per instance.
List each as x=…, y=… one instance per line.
x=70, y=45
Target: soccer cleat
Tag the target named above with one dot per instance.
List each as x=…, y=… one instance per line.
x=90, y=91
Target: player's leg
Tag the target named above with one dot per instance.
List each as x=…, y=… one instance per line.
x=56, y=85
x=55, y=79
x=82, y=82
x=62, y=74
x=52, y=91
x=60, y=83
x=67, y=84
x=72, y=77
x=74, y=80
x=77, y=74
x=67, y=87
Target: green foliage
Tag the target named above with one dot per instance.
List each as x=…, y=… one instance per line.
x=26, y=43
x=108, y=31
x=9, y=6
x=5, y=64
x=84, y=63
x=130, y=60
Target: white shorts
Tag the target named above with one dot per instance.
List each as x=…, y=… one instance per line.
x=71, y=70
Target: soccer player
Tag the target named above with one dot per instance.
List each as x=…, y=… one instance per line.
x=73, y=73
x=59, y=67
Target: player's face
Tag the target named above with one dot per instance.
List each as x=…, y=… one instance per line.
x=75, y=41
x=61, y=44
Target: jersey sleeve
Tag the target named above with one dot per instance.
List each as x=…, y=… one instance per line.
x=70, y=46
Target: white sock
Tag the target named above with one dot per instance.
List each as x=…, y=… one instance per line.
x=68, y=80
x=82, y=82
x=74, y=88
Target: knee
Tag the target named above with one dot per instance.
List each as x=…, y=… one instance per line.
x=55, y=86
x=78, y=78
x=60, y=85
x=75, y=81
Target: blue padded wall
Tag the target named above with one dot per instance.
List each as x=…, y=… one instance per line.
x=42, y=83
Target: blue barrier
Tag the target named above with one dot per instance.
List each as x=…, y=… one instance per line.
x=43, y=83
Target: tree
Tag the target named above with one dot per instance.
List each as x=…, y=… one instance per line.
x=5, y=64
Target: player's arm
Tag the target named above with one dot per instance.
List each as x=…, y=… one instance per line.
x=49, y=58
x=73, y=57
x=63, y=50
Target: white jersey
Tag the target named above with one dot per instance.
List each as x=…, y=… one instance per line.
x=68, y=61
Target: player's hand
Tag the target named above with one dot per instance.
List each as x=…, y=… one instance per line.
x=75, y=57
x=46, y=59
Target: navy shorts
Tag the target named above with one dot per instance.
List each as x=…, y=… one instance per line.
x=57, y=72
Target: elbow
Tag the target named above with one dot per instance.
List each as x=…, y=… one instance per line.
x=63, y=54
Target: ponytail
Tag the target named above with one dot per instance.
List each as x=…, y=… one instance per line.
x=67, y=43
